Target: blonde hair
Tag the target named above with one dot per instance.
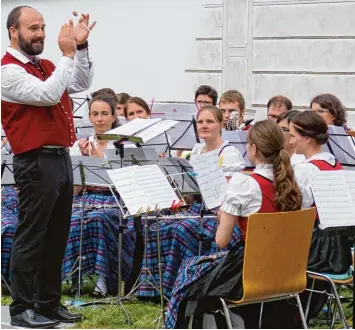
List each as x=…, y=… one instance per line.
x=269, y=140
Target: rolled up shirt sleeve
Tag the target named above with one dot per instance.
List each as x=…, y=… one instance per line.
x=83, y=72
x=20, y=87
x=243, y=196
x=232, y=161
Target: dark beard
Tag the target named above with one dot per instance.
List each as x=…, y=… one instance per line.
x=27, y=47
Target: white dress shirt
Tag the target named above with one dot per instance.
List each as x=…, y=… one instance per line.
x=297, y=159
x=232, y=160
x=244, y=196
x=18, y=86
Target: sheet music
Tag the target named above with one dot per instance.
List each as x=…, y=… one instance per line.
x=350, y=178
x=133, y=127
x=332, y=196
x=143, y=186
x=210, y=178
x=155, y=130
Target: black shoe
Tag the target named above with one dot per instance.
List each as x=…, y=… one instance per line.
x=30, y=319
x=62, y=314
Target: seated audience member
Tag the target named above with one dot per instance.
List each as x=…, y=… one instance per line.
x=136, y=108
x=330, y=250
x=284, y=122
x=330, y=108
x=180, y=238
x=232, y=105
x=278, y=105
x=205, y=95
x=100, y=229
x=270, y=188
x=122, y=99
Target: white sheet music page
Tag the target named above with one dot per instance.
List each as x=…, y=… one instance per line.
x=333, y=199
x=143, y=187
x=350, y=178
x=155, y=130
x=133, y=127
x=210, y=178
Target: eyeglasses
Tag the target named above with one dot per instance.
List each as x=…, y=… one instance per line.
x=272, y=117
x=204, y=102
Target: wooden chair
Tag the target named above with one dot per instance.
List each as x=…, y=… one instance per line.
x=275, y=259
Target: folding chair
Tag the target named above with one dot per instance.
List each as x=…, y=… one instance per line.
x=275, y=259
x=336, y=282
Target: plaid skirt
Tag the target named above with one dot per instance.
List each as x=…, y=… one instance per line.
x=199, y=277
x=179, y=240
x=99, y=239
x=8, y=228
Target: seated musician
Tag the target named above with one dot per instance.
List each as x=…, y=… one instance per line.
x=284, y=122
x=180, y=238
x=232, y=105
x=330, y=108
x=101, y=214
x=330, y=252
x=136, y=108
x=122, y=99
x=270, y=188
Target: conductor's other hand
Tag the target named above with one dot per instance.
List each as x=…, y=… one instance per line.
x=83, y=28
x=66, y=40
x=84, y=147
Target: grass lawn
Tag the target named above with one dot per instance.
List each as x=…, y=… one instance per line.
x=143, y=315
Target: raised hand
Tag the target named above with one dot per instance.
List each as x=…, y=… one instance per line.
x=83, y=28
x=84, y=147
x=66, y=41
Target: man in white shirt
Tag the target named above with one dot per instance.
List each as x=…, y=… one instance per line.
x=38, y=122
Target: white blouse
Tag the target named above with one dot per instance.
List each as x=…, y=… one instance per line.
x=232, y=160
x=244, y=196
x=297, y=159
x=304, y=171
x=75, y=150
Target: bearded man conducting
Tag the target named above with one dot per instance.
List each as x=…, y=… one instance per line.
x=38, y=122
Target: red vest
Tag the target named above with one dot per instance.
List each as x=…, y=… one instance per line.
x=325, y=166
x=29, y=127
x=268, y=192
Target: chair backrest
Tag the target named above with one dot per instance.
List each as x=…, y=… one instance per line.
x=276, y=254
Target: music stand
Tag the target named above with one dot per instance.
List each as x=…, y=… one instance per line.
x=80, y=101
x=89, y=171
x=152, y=194
x=7, y=179
x=160, y=144
x=184, y=135
x=238, y=139
x=342, y=146
x=130, y=156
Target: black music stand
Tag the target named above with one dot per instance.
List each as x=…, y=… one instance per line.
x=160, y=143
x=121, y=156
x=184, y=135
x=79, y=102
x=342, y=146
x=238, y=139
x=89, y=171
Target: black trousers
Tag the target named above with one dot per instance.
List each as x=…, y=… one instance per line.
x=44, y=178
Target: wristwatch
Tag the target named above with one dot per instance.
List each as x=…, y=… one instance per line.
x=83, y=46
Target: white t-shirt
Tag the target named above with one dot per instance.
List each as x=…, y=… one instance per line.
x=232, y=160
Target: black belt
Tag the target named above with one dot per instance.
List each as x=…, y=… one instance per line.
x=57, y=151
